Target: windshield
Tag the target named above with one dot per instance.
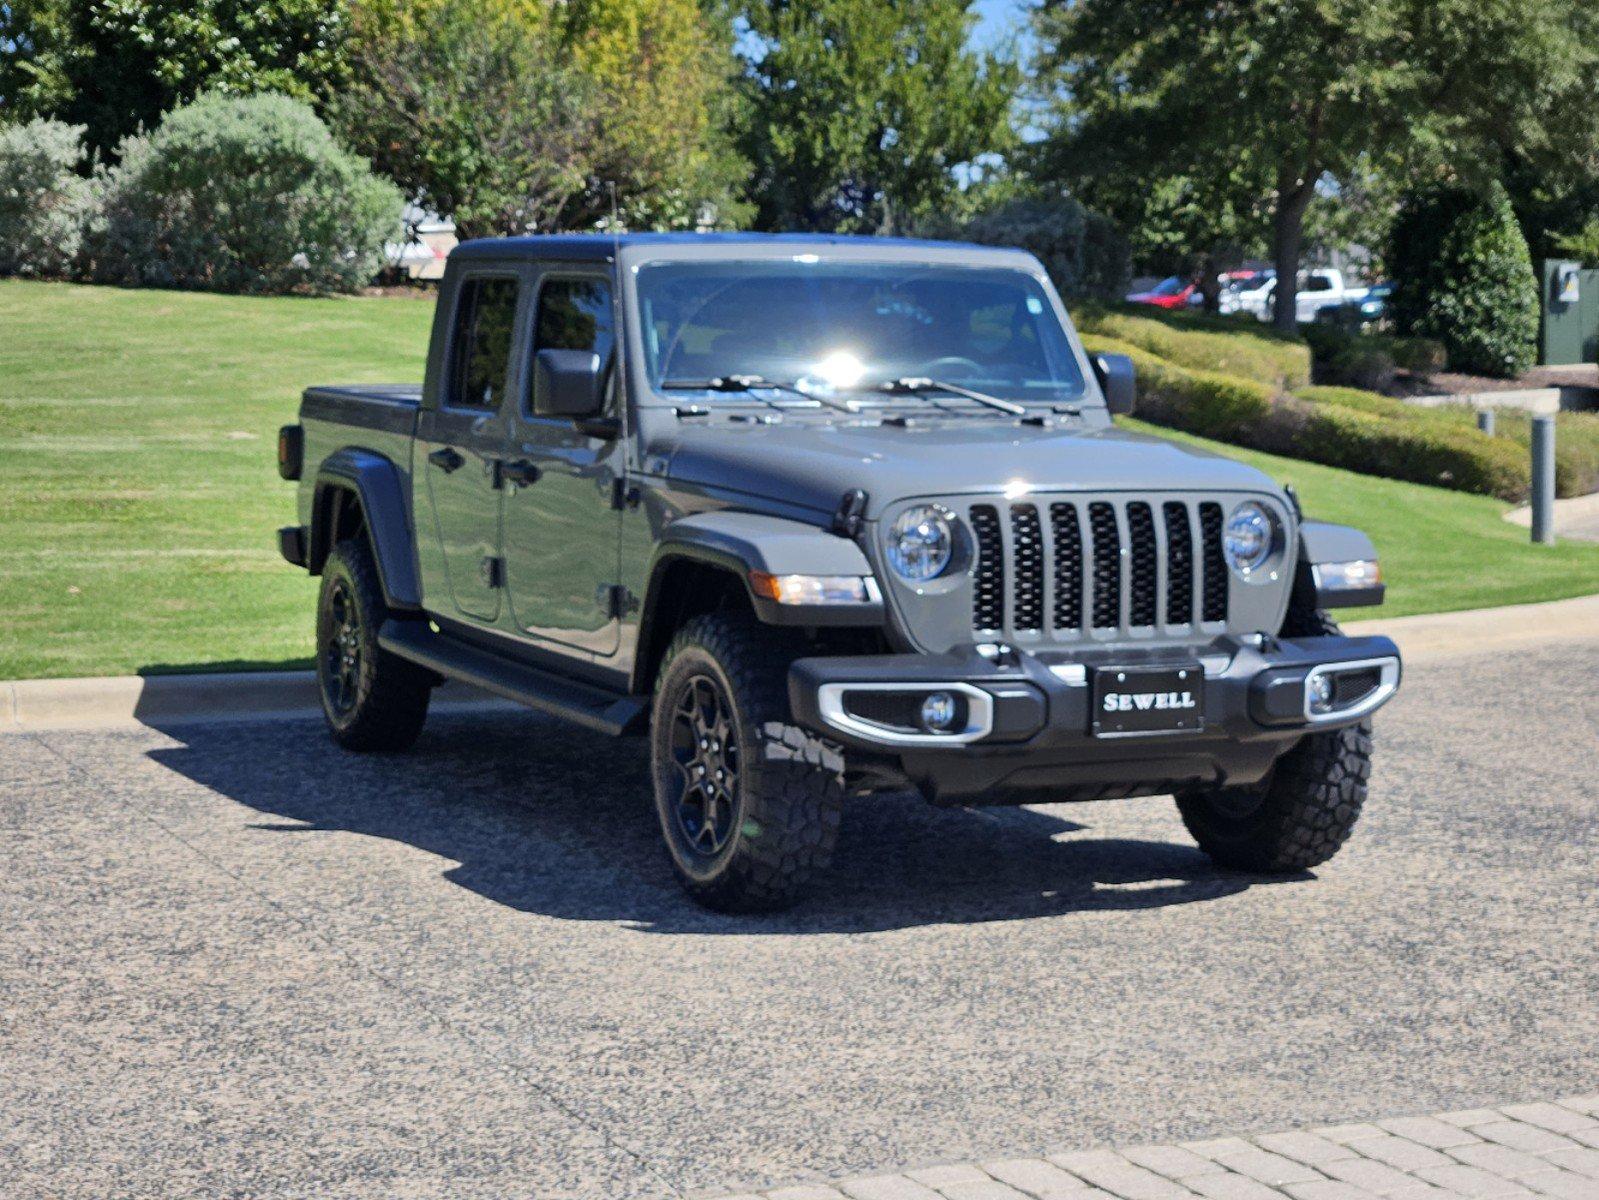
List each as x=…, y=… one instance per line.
x=1168, y=287
x=847, y=326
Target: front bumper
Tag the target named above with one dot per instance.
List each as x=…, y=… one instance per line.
x=1026, y=728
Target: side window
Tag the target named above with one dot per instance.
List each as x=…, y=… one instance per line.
x=574, y=314
x=485, y=317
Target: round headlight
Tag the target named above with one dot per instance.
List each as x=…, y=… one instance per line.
x=920, y=543
x=1248, y=539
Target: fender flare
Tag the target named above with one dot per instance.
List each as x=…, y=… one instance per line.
x=379, y=489
x=741, y=542
x=1323, y=542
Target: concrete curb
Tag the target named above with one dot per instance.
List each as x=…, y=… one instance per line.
x=1441, y=636
x=39, y=704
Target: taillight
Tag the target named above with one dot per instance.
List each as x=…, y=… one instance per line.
x=291, y=451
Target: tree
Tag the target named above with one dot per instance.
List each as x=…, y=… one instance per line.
x=664, y=76
x=1262, y=101
x=517, y=115
x=472, y=111
x=114, y=66
x=859, y=112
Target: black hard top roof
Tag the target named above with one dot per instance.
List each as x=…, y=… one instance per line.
x=599, y=247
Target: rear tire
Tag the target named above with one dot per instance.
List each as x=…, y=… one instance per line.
x=1305, y=810
x=749, y=803
x=373, y=700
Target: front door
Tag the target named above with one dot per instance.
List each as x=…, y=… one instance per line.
x=562, y=525
x=461, y=439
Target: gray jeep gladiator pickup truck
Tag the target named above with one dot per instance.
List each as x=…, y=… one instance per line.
x=823, y=517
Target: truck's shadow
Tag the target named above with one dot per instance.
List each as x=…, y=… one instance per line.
x=547, y=819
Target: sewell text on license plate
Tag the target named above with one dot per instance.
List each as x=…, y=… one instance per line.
x=1133, y=700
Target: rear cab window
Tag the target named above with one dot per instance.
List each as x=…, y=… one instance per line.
x=481, y=342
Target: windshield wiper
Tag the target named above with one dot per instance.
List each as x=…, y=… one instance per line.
x=915, y=384
x=750, y=383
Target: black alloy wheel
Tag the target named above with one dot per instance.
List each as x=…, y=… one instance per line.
x=704, y=747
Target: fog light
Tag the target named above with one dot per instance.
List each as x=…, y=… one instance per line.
x=938, y=712
x=1321, y=693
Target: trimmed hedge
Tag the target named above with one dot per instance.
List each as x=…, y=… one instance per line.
x=1379, y=435
x=1464, y=276
x=1351, y=358
x=1205, y=345
x=1338, y=427
x=1224, y=407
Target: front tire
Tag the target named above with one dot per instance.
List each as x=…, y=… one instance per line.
x=749, y=803
x=1304, y=811
x=373, y=700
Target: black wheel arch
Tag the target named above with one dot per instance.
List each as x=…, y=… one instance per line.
x=362, y=492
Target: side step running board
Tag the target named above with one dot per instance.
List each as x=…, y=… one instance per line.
x=591, y=707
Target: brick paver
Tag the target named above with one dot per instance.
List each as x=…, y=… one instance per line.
x=1546, y=1149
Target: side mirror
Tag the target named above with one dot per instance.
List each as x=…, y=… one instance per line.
x=1117, y=381
x=566, y=383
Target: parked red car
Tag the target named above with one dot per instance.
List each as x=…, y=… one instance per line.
x=1174, y=292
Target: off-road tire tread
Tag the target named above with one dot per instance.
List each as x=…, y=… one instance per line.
x=1313, y=797
x=793, y=780
x=394, y=705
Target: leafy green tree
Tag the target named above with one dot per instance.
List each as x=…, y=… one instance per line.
x=1262, y=101
x=859, y=112
x=664, y=76
x=114, y=66
x=1084, y=253
x=516, y=115
x=1463, y=276
x=472, y=111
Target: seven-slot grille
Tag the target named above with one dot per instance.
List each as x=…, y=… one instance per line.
x=1066, y=568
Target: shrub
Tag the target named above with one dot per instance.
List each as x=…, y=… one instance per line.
x=1576, y=446
x=1464, y=276
x=1358, y=359
x=1208, y=403
x=1433, y=452
x=242, y=194
x=44, y=202
x=1339, y=427
x=1418, y=355
x=1203, y=345
x=1084, y=253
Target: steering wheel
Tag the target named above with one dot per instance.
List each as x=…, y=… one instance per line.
x=960, y=365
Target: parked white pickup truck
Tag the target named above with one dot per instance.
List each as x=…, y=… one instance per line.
x=1318, y=289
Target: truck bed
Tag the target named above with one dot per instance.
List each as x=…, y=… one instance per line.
x=391, y=407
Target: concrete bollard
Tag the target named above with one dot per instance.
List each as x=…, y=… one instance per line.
x=1543, y=480
x=1485, y=420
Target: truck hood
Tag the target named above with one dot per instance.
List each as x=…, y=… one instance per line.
x=813, y=465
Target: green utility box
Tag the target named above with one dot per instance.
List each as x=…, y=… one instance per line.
x=1570, y=303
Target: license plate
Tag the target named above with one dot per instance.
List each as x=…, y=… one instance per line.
x=1130, y=700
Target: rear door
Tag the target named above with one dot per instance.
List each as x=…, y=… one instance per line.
x=562, y=531
x=461, y=440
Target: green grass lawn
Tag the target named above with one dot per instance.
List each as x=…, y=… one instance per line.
x=139, y=495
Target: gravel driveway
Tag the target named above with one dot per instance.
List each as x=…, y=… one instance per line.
x=237, y=962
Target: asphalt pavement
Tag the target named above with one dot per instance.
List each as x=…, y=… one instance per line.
x=238, y=962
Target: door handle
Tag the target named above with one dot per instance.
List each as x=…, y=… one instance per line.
x=446, y=459
x=519, y=472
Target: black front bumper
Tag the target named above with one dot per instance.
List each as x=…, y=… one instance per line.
x=1037, y=737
